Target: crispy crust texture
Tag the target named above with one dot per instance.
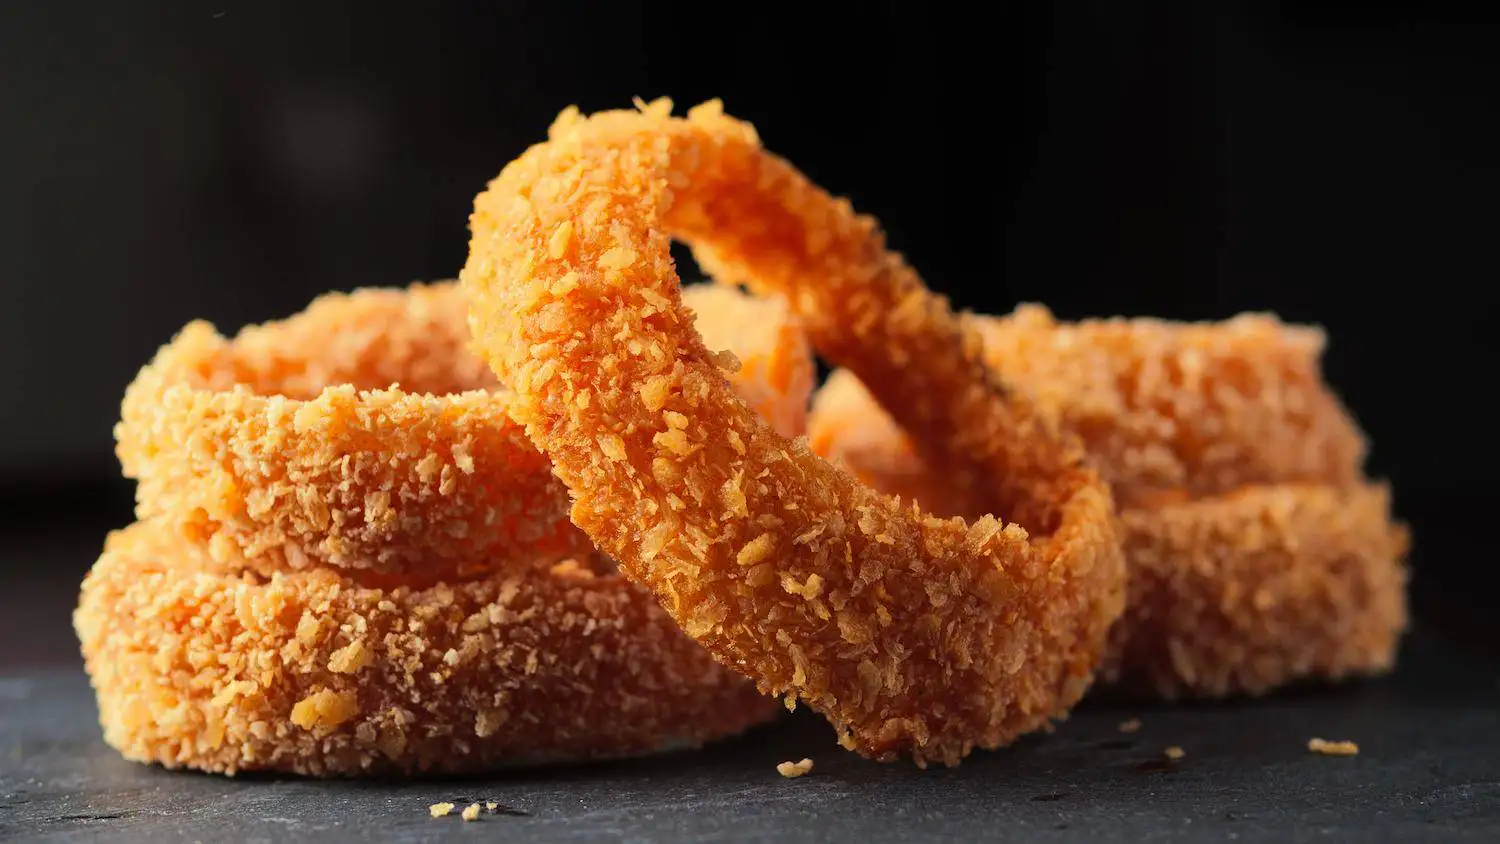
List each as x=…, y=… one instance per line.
x=915, y=636
x=1247, y=591
x=313, y=673
x=363, y=434
x=777, y=376
x=1167, y=407
x=1233, y=592
x=258, y=617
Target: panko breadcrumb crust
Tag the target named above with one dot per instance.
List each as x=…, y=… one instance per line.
x=303, y=660
x=1271, y=562
x=915, y=636
x=363, y=433
x=1168, y=407
x=312, y=673
x=1247, y=591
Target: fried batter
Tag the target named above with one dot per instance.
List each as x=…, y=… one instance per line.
x=914, y=635
x=314, y=673
x=1271, y=562
x=363, y=433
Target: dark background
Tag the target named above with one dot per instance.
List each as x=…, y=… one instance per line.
x=231, y=160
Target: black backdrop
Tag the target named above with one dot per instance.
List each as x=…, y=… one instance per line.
x=230, y=160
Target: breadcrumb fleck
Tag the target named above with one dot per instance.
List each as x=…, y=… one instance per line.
x=324, y=708
x=756, y=550
x=470, y=812
x=1130, y=726
x=1174, y=753
x=491, y=806
x=794, y=769
x=1333, y=748
x=438, y=810
x=349, y=659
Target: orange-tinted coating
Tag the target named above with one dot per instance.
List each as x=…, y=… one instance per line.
x=1164, y=406
x=913, y=635
x=292, y=444
x=314, y=673
x=1231, y=592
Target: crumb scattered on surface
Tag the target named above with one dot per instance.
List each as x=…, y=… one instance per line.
x=1130, y=726
x=491, y=806
x=1174, y=753
x=438, y=810
x=470, y=812
x=794, y=769
x=1333, y=748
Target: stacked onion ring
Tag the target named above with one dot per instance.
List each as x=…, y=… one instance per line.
x=915, y=636
x=1257, y=553
x=336, y=575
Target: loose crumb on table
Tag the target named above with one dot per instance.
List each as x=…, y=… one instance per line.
x=1130, y=726
x=438, y=810
x=471, y=812
x=1174, y=753
x=1333, y=748
x=794, y=769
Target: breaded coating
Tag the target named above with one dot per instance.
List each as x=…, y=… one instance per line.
x=1165, y=406
x=1250, y=590
x=291, y=445
x=314, y=673
x=241, y=626
x=1231, y=593
x=850, y=428
x=777, y=379
x=915, y=636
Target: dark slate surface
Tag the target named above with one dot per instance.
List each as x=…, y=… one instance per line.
x=1429, y=769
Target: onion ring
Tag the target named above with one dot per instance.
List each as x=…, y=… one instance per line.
x=292, y=445
x=912, y=635
x=1234, y=592
x=1167, y=406
x=202, y=657
x=1247, y=591
x=314, y=673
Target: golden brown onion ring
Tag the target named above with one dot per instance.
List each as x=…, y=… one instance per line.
x=913, y=635
x=1233, y=592
x=292, y=444
x=314, y=673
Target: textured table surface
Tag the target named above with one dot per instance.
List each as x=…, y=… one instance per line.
x=1428, y=769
